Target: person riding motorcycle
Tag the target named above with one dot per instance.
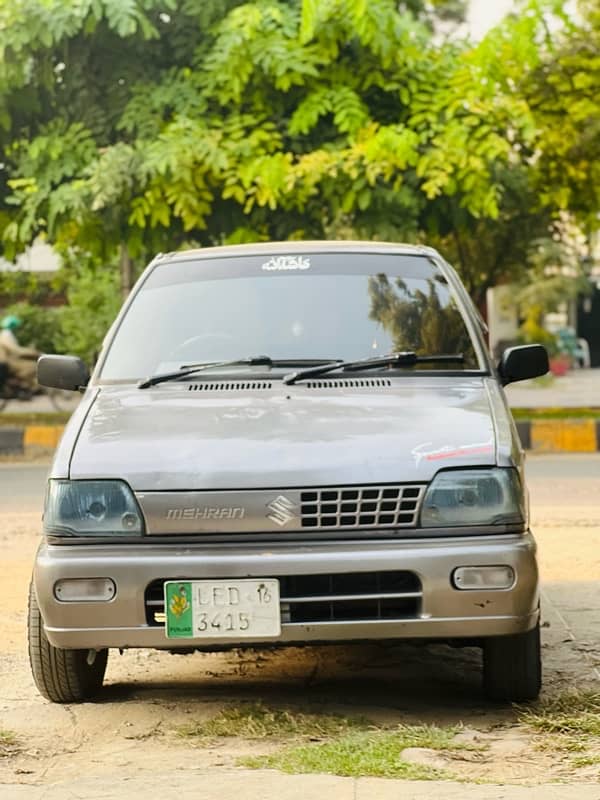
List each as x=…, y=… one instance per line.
x=20, y=361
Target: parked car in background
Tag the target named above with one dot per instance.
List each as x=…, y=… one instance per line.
x=283, y=444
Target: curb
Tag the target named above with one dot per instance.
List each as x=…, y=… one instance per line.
x=538, y=435
x=30, y=439
x=560, y=435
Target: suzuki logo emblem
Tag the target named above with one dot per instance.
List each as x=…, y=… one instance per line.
x=282, y=510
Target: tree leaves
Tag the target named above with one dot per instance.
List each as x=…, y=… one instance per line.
x=347, y=108
x=293, y=118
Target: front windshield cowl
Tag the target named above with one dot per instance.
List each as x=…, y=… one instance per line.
x=189, y=370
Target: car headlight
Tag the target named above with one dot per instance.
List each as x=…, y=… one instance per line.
x=92, y=508
x=473, y=497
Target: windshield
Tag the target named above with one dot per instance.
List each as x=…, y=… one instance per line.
x=341, y=306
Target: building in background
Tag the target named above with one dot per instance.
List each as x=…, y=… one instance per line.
x=40, y=257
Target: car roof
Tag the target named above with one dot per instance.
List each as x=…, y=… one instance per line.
x=294, y=247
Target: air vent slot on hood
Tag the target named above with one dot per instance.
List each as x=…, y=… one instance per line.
x=230, y=386
x=349, y=383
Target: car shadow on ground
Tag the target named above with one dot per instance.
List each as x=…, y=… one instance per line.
x=428, y=683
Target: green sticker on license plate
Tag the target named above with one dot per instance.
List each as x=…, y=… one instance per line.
x=178, y=610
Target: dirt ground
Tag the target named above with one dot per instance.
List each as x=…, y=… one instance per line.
x=149, y=694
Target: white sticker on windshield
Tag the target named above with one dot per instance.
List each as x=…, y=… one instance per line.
x=286, y=262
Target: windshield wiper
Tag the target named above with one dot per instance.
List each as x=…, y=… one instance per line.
x=190, y=369
x=253, y=361
x=405, y=359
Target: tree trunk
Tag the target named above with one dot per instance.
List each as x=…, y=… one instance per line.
x=126, y=268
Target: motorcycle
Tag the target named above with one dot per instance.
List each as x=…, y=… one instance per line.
x=12, y=389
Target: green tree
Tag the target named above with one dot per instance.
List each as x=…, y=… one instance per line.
x=548, y=61
x=40, y=327
x=563, y=94
x=72, y=76
x=92, y=304
x=363, y=117
x=272, y=119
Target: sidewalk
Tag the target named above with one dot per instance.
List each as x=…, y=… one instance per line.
x=579, y=388
x=267, y=785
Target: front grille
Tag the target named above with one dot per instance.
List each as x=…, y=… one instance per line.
x=338, y=597
x=351, y=596
x=361, y=507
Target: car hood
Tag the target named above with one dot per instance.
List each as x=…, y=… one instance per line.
x=172, y=437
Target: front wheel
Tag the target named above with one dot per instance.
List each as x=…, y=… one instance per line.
x=62, y=676
x=512, y=667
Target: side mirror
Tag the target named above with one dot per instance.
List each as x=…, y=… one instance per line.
x=520, y=363
x=62, y=372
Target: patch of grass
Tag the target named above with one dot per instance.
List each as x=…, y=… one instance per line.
x=569, y=724
x=324, y=743
x=8, y=743
x=560, y=743
x=586, y=761
x=544, y=381
x=571, y=713
x=364, y=753
x=256, y=721
x=555, y=413
x=17, y=420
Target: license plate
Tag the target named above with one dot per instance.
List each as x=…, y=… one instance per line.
x=237, y=609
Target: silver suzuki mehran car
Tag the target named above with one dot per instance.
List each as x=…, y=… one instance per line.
x=285, y=444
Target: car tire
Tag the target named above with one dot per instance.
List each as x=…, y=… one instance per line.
x=512, y=667
x=62, y=676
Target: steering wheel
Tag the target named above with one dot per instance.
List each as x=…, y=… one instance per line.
x=178, y=353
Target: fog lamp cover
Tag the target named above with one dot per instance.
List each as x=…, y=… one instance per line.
x=85, y=590
x=488, y=577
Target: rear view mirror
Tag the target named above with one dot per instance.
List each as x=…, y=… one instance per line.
x=520, y=363
x=62, y=372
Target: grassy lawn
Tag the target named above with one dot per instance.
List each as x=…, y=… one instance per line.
x=19, y=420
x=555, y=413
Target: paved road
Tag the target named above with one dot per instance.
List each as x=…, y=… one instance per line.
x=22, y=486
x=204, y=785
x=41, y=405
x=580, y=388
x=568, y=480
x=561, y=479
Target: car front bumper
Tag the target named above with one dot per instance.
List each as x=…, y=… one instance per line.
x=444, y=611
